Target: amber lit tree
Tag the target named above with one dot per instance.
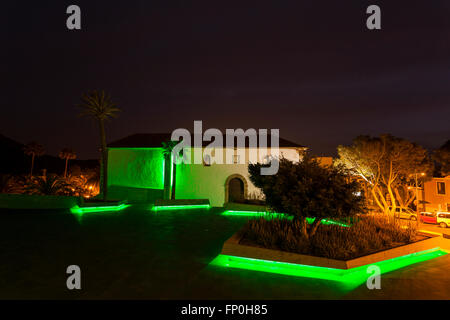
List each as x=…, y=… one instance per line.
x=99, y=106
x=33, y=149
x=387, y=164
x=67, y=154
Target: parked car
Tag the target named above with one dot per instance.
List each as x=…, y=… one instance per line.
x=443, y=219
x=405, y=213
x=428, y=217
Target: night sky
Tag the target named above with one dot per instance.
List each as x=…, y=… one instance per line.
x=310, y=68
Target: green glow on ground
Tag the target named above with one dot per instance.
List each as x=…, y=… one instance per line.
x=350, y=277
x=78, y=210
x=181, y=207
x=276, y=215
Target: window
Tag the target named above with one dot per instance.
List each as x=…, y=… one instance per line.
x=440, y=187
x=448, y=206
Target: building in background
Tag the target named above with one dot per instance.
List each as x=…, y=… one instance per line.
x=137, y=171
x=436, y=194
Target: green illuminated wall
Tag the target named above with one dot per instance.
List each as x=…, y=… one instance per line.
x=136, y=168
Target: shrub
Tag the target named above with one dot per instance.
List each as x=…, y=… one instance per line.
x=307, y=189
x=367, y=235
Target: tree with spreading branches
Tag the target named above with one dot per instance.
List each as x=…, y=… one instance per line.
x=388, y=165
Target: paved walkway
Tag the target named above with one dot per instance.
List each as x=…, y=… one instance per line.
x=138, y=254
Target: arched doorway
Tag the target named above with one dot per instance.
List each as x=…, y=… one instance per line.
x=235, y=188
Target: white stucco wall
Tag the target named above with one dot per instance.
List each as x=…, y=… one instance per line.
x=138, y=169
x=196, y=181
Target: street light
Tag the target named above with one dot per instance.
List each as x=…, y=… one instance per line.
x=417, y=195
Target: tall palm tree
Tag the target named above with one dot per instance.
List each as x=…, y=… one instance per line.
x=67, y=154
x=99, y=106
x=33, y=149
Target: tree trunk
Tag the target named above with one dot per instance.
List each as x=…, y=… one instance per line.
x=303, y=227
x=32, y=165
x=167, y=174
x=376, y=200
x=383, y=199
x=393, y=200
x=314, y=226
x=65, y=170
x=174, y=173
x=104, y=163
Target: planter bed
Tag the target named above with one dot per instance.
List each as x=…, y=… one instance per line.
x=263, y=213
x=354, y=271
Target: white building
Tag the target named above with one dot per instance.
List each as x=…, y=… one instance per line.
x=137, y=171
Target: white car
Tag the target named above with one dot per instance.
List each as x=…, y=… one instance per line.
x=443, y=219
x=405, y=213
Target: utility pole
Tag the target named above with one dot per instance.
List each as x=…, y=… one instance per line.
x=417, y=197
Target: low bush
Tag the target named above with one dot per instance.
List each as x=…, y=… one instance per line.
x=368, y=234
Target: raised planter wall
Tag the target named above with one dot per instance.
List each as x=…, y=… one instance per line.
x=37, y=202
x=181, y=202
x=233, y=248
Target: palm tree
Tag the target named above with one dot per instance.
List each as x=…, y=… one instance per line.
x=48, y=185
x=99, y=106
x=67, y=154
x=33, y=149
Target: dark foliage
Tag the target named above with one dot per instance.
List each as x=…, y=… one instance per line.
x=307, y=189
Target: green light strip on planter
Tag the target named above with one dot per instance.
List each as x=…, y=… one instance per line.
x=254, y=214
x=354, y=276
x=276, y=215
x=80, y=210
x=178, y=207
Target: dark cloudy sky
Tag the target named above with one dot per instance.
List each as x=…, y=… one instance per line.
x=309, y=68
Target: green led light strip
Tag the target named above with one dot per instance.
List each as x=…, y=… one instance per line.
x=276, y=215
x=254, y=214
x=176, y=207
x=354, y=276
x=80, y=210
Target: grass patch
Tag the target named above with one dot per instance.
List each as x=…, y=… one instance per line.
x=367, y=235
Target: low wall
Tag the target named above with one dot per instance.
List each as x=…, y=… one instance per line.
x=134, y=195
x=244, y=207
x=181, y=202
x=26, y=201
x=233, y=248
